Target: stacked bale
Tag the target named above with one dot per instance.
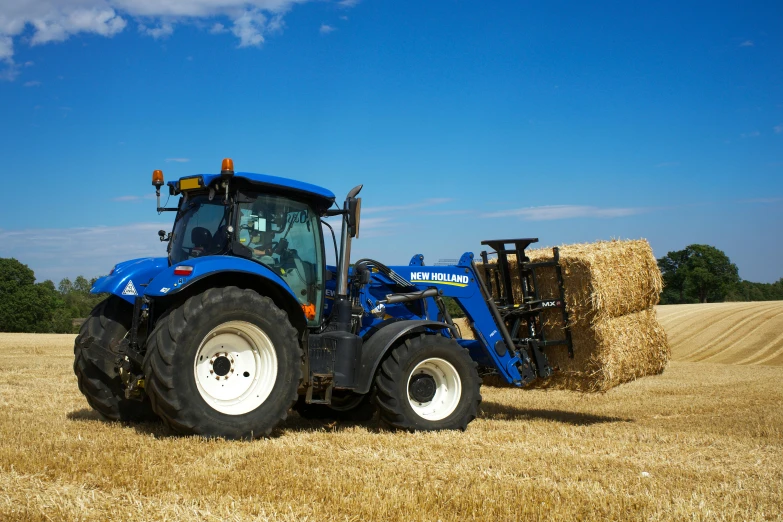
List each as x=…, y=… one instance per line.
x=611, y=289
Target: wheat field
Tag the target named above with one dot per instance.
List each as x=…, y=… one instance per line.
x=735, y=333
x=702, y=441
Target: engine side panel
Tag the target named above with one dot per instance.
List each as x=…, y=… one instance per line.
x=130, y=278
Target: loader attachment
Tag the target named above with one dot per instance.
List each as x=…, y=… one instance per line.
x=521, y=311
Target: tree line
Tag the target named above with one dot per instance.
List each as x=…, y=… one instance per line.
x=705, y=274
x=27, y=306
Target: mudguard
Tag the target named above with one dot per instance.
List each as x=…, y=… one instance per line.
x=129, y=278
x=375, y=348
x=167, y=283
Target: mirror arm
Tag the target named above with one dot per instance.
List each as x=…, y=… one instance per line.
x=335, y=212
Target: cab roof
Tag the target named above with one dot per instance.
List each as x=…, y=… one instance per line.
x=324, y=198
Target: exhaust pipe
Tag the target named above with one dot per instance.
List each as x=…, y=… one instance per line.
x=341, y=314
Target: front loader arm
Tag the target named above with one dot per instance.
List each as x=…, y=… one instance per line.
x=460, y=282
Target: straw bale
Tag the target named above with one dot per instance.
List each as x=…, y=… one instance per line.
x=611, y=288
x=602, y=279
x=465, y=330
x=608, y=352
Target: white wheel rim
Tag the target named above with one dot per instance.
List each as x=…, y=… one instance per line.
x=448, y=389
x=235, y=367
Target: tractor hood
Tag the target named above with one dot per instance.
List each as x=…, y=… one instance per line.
x=130, y=278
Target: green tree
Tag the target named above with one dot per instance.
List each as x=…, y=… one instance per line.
x=81, y=285
x=700, y=273
x=65, y=286
x=24, y=305
x=749, y=291
x=673, y=271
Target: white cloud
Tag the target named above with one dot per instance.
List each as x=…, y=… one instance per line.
x=218, y=28
x=162, y=31
x=747, y=43
x=58, y=25
x=326, y=29
x=249, y=28
x=177, y=160
x=552, y=212
x=754, y=134
x=57, y=20
x=126, y=198
x=6, y=48
x=778, y=128
x=89, y=251
x=32, y=83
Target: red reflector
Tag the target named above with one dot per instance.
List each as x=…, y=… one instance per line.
x=183, y=270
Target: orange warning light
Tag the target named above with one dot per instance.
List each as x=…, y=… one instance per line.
x=309, y=311
x=227, y=169
x=157, y=178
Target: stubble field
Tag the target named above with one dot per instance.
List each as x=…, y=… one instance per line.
x=703, y=441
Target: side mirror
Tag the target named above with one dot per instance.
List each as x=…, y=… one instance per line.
x=354, y=215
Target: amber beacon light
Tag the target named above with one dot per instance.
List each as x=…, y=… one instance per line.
x=157, y=178
x=227, y=169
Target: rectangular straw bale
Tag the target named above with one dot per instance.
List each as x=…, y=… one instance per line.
x=608, y=352
x=611, y=288
x=602, y=279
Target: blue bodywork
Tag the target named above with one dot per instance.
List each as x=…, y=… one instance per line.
x=129, y=278
x=458, y=282
x=323, y=197
x=154, y=278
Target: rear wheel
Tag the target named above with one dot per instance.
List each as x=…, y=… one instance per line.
x=95, y=355
x=226, y=363
x=428, y=383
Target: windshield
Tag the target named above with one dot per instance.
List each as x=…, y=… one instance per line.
x=285, y=235
x=200, y=229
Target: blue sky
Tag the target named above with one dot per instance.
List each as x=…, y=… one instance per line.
x=464, y=120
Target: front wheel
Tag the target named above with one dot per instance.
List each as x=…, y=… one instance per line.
x=428, y=383
x=96, y=350
x=226, y=363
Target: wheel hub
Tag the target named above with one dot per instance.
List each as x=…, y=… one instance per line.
x=235, y=367
x=434, y=389
x=222, y=364
x=422, y=388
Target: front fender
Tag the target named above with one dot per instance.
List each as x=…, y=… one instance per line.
x=375, y=348
x=167, y=283
x=128, y=279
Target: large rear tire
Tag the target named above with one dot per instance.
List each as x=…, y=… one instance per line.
x=428, y=383
x=95, y=355
x=226, y=363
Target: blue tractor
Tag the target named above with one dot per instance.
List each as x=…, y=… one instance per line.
x=244, y=320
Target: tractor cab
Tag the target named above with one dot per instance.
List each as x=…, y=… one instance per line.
x=270, y=221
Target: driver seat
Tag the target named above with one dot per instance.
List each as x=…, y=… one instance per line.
x=201, y=238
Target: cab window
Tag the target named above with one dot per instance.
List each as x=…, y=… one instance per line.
x=284, y=235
